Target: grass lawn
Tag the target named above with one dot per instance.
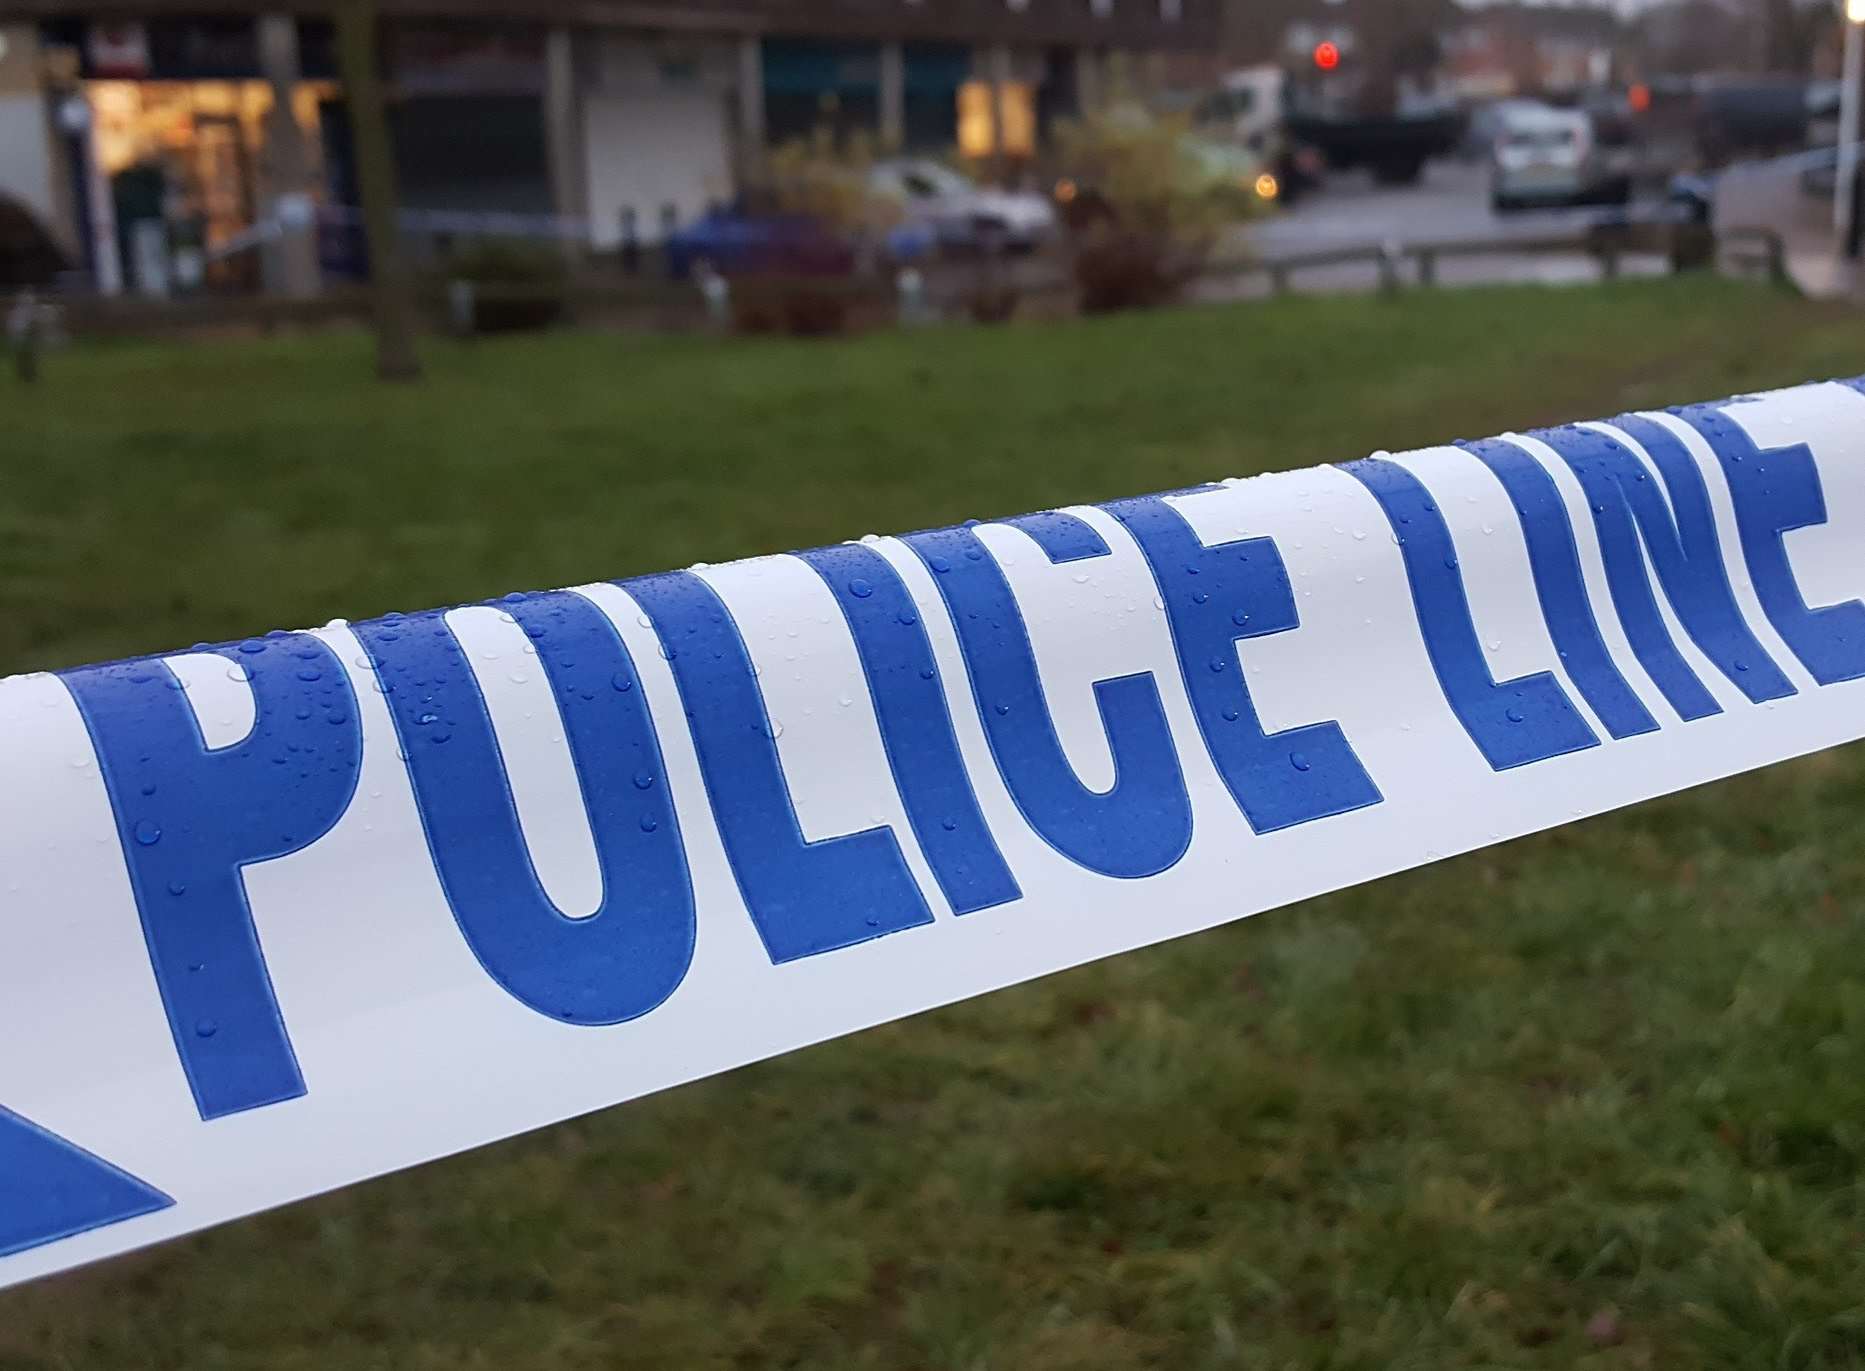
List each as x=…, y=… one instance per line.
x=1593, y=1098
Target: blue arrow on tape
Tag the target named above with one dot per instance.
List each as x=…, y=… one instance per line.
x=51, y=1188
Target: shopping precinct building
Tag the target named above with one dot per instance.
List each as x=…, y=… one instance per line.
x=605, y=112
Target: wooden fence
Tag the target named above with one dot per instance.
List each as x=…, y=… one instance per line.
x=656, y=303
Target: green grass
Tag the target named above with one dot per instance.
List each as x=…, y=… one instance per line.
x=1612, y=1075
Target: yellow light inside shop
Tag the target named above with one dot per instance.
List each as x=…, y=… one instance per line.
x=135, y=121
x=1016, y=111
x=977, y=130
x=979, y=122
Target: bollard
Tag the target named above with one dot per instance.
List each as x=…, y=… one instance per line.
x=1389, y=254
x=463, y=307
x=910, y=291
x=1692, y=247
x=631, y=241
x=716, y=291
x=282, y=914
x=1778, y=273
x=26, y=331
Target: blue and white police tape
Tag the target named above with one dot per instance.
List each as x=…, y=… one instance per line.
x=287, y=913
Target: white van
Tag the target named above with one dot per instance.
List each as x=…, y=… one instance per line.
x=1246, y=109
x=1541, y=156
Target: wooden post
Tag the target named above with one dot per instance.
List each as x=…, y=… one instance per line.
x=391, y=297
x=289, y=262
x=24, y=323
x=1389, y=269
x=1778, y=273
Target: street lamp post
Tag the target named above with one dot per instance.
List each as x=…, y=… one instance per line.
x=1845, y=188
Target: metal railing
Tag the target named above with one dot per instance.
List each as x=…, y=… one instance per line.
x=675, y=304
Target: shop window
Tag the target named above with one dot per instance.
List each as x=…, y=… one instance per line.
x=1015, y=112
x=189, y=153
x=933, y=74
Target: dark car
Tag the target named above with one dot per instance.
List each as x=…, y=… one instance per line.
x=742, y=240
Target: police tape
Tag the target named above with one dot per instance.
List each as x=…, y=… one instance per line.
x=287, y=913
x=471, y=223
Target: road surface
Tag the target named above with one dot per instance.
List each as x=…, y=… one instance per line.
x=1450, y=205
x=1769, y=195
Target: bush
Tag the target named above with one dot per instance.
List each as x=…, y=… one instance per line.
x=992, y=302
x=799, y=306
x=1117, y=268
x=516, y=285
x=827, y=180
x=1692, y=247
x=1144, y=203
x=805, y=292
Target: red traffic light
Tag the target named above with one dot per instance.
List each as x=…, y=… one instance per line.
x=1327, y=56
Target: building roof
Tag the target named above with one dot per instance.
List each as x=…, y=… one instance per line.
x=1143, y=24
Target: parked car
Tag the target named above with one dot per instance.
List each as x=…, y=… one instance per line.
x=1485, y=126
x=1246, y=109
x=1547, y=156
x=748, y=238
x=1392, y=135
x=736, y=240
x=961, y=215
x=1759, y=117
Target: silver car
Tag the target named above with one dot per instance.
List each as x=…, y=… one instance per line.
x=962, y=215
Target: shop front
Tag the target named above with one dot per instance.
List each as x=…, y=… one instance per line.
x=183, y=144
x=202, y=137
